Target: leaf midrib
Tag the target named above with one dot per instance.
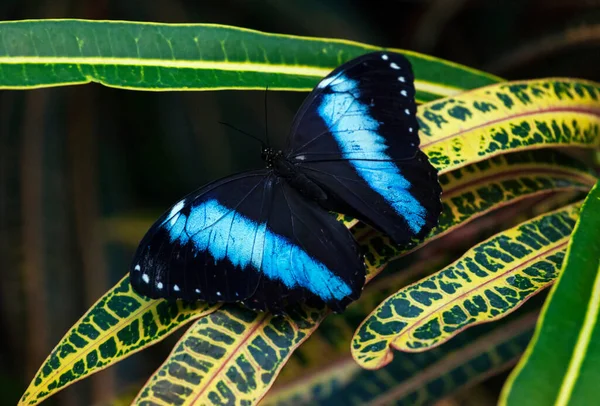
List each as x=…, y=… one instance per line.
x=300, y=70
x=249, y=334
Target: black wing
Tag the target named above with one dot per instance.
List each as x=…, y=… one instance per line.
x=326, y=260
x=248, y=238
x=356, y=135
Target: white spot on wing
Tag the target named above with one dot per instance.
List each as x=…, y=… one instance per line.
x=384, y=57
x=410, y=129
x=394, y=66
x=176, y=209
x=210, y=226
x=145, y=278
x=403, y=93
x=401, y=79
x=159, y=285
x=301, y=157
x=176, y=288
x=326, y=82
x=197, y=290
x=137, y=267
x=406, y=111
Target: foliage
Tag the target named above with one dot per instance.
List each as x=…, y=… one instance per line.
x=560, y=366
x=484, y=143
x=148, y=56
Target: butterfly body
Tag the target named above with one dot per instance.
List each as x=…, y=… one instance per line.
x=267, y=238
x=288, y=171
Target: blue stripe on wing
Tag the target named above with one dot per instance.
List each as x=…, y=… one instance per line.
x=356, y=134
x=225, y=233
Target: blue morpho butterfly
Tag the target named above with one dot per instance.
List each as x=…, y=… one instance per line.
x=267, y=238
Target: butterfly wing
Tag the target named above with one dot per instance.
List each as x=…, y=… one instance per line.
x=356, y=135
x=324, y=258
x=206, y=245
x=239, y=239
x=375, y=90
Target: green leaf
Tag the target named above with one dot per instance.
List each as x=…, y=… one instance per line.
x=151, y=56
x=121, y=323
x=561, y=363
x=418, y=378
x=489, y=281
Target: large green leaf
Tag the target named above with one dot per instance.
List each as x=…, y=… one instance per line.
x=151, y=56
x=561, y=364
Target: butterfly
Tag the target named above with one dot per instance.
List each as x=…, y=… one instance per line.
x=268, y=238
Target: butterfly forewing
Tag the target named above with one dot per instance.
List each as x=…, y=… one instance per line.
x=372, y=93
x=357, y=137
x=208, y=246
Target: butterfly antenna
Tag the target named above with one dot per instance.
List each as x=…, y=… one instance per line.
x=243, y=132
x=266, y=118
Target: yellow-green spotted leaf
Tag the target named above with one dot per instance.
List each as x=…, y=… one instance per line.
x=229, y=357
x=492, y=279
x=118, y=325
x=414, y=378
x=151, y=56
x=505, y=117
x=561, y=364
x=329, y=343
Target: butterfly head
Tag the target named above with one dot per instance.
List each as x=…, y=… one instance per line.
x=269, y=155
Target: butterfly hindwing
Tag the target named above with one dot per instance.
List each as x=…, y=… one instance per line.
x=403, y=205
x=324, y=258
x=356, y=136
x=248, y=238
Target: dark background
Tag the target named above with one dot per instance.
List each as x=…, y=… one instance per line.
x=84, y=170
